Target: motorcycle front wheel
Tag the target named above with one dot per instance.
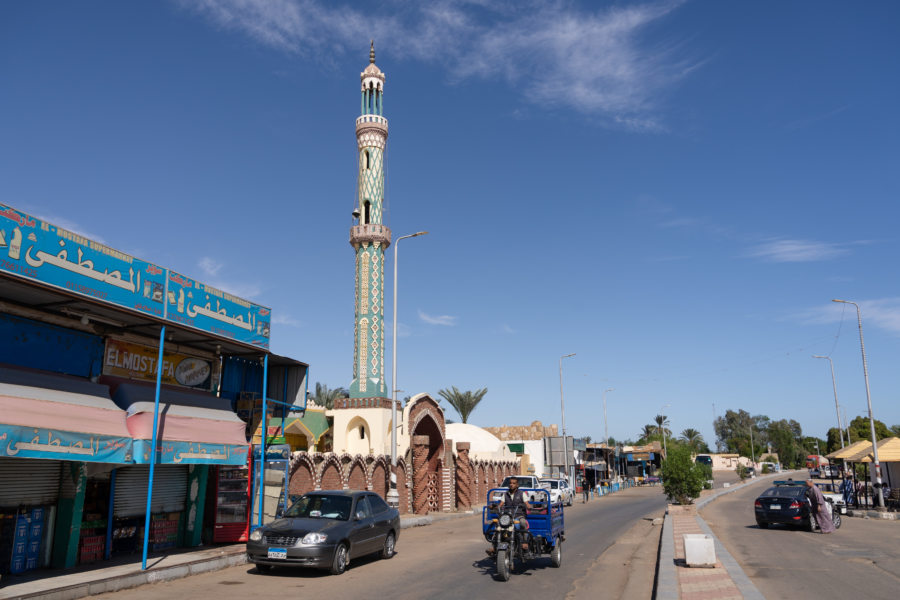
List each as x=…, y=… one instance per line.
x=504, y=564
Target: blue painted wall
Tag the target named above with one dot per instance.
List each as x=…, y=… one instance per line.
x=36, y=345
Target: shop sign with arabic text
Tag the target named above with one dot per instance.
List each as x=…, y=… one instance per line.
x=36, y=250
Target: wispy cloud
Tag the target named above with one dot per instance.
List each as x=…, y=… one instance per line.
x=211, y=269
x=508, y=329
x=883, y=313
x=210, y=266
x=71, y=226
x=815, y=118
x=437, y=320
x=596, y=61
x=785, y=250
x=285, y=319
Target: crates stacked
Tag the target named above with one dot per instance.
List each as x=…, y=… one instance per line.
x=27, y=540
x=92, y=545
x=164, y=531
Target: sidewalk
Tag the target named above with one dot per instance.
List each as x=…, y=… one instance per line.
x=126, y=573
x=725, y=581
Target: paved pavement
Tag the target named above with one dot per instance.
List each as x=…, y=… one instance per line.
x=446, y=560
x=859, y=560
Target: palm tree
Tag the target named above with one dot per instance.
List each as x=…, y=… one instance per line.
x=693, y=438
x=661, y=422
x=649, y=430
x=325, y=397
x=463, y=402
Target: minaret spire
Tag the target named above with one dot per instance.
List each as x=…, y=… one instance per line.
x=370, y=238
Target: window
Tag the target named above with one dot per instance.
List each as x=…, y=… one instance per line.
x=362, y=432
x=367, y=207
x=363, y=508
x=368, y=164
x=378, y=505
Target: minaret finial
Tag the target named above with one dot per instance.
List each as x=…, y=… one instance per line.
x=372, y=53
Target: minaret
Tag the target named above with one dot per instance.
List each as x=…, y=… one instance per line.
x=370, y=238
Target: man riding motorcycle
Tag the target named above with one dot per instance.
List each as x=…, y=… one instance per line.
x=515, y=498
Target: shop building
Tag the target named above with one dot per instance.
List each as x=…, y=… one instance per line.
x=83, y=380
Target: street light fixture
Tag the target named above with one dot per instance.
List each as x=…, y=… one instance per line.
x=862, y=347
x=837, y=408
x=562, y=405
x=605, y=420
x=393, y=497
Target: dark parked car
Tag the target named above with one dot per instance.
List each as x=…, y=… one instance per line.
x=326, y=530
x=787, y=503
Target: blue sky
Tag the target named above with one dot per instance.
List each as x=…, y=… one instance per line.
x=673, y=191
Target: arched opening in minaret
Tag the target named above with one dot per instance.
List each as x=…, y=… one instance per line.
x=366, y=215
x=368, y=163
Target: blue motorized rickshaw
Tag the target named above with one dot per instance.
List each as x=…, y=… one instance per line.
x=510, y=541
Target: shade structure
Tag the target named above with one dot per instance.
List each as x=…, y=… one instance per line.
x=848, y=451
x=314, y=424
x=193, y=427
x=888, y=451
x=45, y=415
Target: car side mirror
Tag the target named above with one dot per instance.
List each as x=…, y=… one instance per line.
x=360, y=516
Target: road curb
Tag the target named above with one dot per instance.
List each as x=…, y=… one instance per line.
x=135, y=579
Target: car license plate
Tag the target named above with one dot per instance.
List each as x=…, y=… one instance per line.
x=277, y=553
x=771, y=507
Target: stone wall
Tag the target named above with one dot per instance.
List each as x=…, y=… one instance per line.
x=462, y=483
x=535, y=431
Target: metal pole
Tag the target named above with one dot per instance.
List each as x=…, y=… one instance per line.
x=662, y=427
x=262, y=446
x=562, y=405
x=393, y=497
x=862, y=345
x=837, y=408
x=153, y=441
x=752, y=453
x=605, y=420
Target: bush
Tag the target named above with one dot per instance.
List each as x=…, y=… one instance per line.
x=683, y=479
x=742, y=472
x=766, y=469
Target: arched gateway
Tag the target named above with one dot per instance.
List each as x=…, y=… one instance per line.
x=427, y=434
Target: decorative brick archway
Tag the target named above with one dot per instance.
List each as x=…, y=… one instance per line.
x=430, y=491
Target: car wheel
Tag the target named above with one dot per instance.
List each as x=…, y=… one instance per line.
x=264, y=569
x=762, y=524
x=339, y=563
x=836, y=519
x=388, y=550
x=810, y=524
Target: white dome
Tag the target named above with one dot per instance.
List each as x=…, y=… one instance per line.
x=484, y=444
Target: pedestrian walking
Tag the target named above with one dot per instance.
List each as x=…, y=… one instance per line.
x=818, y=509
x=585, y=491
x=847, y=489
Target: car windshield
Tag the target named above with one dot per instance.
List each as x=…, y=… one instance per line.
x=554, y=485
x=789, y=491
x=523, y=482
x=321, y=506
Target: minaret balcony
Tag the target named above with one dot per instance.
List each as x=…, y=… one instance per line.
x=371, y=122
x=369, y=234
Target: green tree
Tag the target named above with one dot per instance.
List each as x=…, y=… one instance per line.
x=693, y=439
x=785, y=437
x=662, y=423
x=647, y=434
x=683, y=479
x=463, y=402
x=325, y=397
x=895, y=430
x=860, y=430
x=733, y=432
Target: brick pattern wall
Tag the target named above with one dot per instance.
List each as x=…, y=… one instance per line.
x=331, y=477
x=464, y=479
x=357, y=478
x=420, y=445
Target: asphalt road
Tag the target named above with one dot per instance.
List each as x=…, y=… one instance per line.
x=442, y=560
x=859, y=560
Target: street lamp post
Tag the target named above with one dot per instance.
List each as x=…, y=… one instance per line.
x=752, y=452
x=862, y=346
x=837, y=408
x=393, y=497
x=605, y=420
x=562, y=405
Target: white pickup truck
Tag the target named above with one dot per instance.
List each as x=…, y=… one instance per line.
x=525, y=482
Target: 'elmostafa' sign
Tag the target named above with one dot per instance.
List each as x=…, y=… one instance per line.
x=35, y=250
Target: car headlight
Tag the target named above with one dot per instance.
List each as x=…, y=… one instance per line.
x=505, y=520
x=256, y=535
x=314, y=538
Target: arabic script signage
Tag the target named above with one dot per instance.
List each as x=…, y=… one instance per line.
x=172, y=452
x=36, y=250
x=136, y=361
x=36, y=442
